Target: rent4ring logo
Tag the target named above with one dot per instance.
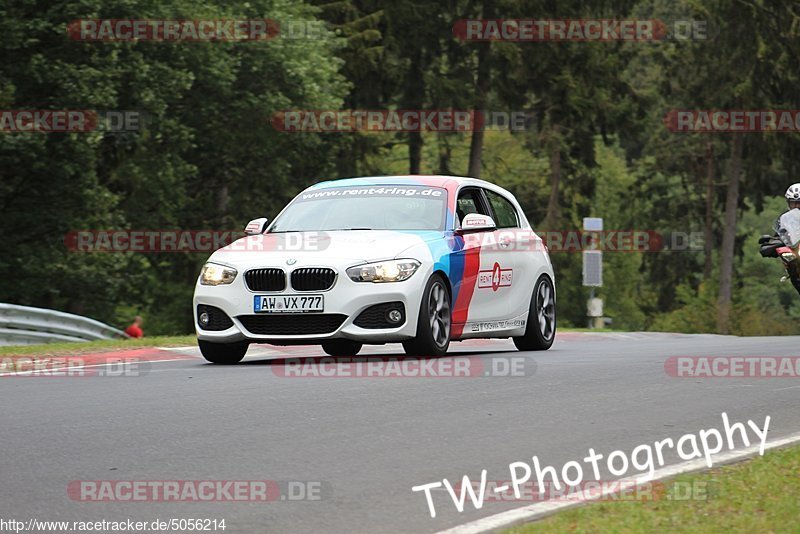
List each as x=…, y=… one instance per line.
x=495, y=278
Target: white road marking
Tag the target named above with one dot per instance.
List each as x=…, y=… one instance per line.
x=529, y=513
x=790, y=387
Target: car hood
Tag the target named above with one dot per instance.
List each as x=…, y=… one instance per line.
x=321, y=248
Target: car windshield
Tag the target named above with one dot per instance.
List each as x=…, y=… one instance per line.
x=393, y=207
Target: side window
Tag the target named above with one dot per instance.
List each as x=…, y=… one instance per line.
x=504, y=212
x=469, y=201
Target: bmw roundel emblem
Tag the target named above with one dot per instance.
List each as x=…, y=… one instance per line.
x=291, y=261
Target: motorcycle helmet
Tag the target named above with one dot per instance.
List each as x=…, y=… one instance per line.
x=793, y=196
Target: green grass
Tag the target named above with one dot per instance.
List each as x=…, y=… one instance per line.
x=52, y=349
x=759, y=495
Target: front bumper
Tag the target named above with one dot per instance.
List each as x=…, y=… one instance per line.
x=346, y=297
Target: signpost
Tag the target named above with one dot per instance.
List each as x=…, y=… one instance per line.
x=593, y=272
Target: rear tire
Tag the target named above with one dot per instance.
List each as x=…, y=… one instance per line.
x=223, y=353
x=434, y=321
x=341, y=347
x=541, y=328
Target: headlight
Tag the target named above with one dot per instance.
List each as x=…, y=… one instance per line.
x=214, y=274
x=383, y=271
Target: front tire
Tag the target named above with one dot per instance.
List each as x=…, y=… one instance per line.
x=541, y=328
x=223, y=353
x=341, y=347
x=793, y=268
x=434, y=321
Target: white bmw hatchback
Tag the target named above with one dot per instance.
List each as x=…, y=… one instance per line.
x=420, y=260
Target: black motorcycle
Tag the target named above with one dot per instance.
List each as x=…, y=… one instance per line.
x=785, y=244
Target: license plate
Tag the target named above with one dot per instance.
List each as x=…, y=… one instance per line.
x=288, y=303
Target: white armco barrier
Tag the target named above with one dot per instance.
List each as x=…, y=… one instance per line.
x=23, y=325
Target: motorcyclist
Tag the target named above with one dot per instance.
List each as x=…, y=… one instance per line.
x=793, y=196
x=773, y=246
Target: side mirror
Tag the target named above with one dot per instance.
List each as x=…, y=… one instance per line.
x=256, y=226
x=475, y=222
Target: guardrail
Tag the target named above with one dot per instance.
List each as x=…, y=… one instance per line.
x=24, y=325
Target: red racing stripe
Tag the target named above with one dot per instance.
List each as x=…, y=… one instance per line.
x=472, y=264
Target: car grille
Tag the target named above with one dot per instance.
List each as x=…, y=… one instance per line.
x=265, y=279
x=217, y=319
x=290, y=324
x=313, y=278
x=375, y=316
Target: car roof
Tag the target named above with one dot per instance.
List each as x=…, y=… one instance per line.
x=433, y=180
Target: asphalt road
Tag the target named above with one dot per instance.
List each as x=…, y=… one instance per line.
x=367, y=441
